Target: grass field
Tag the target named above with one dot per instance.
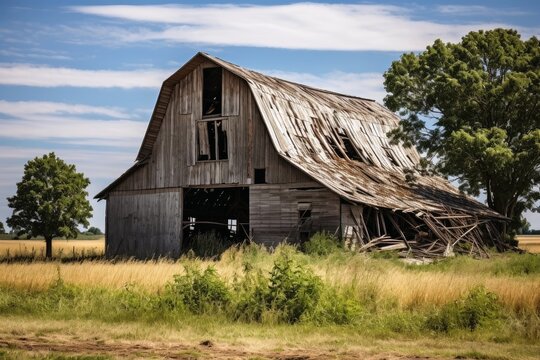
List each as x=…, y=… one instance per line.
x=529, y=242
x=367, y=307
x=61, y=248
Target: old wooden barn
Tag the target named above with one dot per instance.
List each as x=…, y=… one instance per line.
x=251, y=156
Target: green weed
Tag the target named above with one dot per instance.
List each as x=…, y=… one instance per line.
x=477, y=308
x=321, y=244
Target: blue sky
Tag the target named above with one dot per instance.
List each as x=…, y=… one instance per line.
x=81, y=78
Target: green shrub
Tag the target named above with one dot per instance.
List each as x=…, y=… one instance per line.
x=293, y=290
x=335, y=308
x=133, y=302
x=199, y=291
x=291, y=293
x=321, y=244
x=251, y=296
x=477, y=308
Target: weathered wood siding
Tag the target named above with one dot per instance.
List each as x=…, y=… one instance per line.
x=352, y=230
x=144, y=224
x=273, y=213
x=173, y=160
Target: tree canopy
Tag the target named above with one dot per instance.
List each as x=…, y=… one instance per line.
x=2, y=229
x=92, y=230
x=473, y=106
x=50, y=200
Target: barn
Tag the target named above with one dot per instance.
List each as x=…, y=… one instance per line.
x=250, y=156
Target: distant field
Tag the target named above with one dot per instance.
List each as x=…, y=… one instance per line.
x=529, y=242
x=61, y=248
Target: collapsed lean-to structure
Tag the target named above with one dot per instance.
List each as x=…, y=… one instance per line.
x=330, y=146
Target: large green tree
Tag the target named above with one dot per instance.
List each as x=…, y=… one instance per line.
x=51, y=200
x=474, y=107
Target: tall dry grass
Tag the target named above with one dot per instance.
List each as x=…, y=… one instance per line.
x=61, y=248
x=379, y=279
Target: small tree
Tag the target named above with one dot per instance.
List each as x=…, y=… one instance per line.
x=2, y=230
x=50, y=200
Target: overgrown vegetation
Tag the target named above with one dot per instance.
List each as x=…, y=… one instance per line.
x=249, y=285
x=321, y=243
x=477, y=308
x=208, y=245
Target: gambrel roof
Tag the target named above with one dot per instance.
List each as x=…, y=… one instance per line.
x=338, y=140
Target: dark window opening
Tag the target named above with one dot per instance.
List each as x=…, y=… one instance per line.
x=211, y=102
x=212, y=147
x=304, y=214
x=260, y=176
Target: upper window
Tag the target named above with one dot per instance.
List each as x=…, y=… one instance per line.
x=211, y=102
x=212, y=139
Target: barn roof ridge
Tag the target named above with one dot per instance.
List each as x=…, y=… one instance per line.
x=213, y=58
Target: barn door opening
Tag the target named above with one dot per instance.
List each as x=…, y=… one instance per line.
x=214, y=219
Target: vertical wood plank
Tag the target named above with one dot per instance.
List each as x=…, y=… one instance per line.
x=230, y=94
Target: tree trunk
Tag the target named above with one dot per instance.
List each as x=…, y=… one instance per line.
x=48, y=247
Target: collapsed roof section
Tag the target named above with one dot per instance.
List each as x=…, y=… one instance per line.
x=338, y=140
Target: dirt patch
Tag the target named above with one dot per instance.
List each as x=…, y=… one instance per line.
x=145, y=349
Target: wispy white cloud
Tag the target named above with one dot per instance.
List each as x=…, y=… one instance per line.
x=46, y=76
x=63, y=123
x=26, y=109
x=477, y=10
x=71, y=155
x=292, y=26
x=70, y=130
x=34, y=53
x=367, y=85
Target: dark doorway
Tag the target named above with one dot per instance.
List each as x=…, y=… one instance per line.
x=214, y=219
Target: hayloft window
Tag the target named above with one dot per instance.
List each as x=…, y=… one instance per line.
x=212, y=139
x=211, y=102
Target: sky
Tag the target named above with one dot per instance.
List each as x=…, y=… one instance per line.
x=81, y=78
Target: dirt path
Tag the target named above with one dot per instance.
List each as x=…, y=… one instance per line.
x=145, y=349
